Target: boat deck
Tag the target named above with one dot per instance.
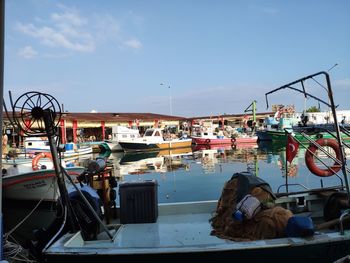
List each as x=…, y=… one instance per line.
x=185, y=231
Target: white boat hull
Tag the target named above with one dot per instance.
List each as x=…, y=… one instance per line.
x=35, y=185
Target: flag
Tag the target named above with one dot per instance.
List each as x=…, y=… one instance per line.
x=292, y=148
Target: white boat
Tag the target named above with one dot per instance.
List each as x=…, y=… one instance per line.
x=183, y=231
x=155, y=140
x=74, y=150
x=121, y=133
x=148, y=230
x=34, y=145
x=32, y=179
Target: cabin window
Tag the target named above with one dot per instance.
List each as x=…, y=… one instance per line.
x=205, y=133
x=148, y=133
x=124, y=136
x=30, y=144
x=47, y=144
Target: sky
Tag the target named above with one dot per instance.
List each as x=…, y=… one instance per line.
x=183, y=58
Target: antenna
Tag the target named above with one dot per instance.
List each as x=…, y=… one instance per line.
x=336, y=64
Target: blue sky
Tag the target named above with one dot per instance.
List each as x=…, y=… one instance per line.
x=216, y=56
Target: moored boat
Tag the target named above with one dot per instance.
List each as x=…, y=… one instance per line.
x=34, y=145
x=153, y=140
x=184, y=231
x=33, y=179
x=121, y=133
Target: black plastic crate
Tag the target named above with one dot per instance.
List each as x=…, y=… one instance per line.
x=138, y=202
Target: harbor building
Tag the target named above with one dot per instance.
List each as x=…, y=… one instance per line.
x=87, y=127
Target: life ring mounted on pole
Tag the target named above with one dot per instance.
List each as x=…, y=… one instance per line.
x=36, y=159
x=310, y=162
x=207, y=141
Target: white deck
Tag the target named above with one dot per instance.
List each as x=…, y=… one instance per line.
x=186, y=232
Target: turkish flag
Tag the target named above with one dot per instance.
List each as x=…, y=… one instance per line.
x=292, y=148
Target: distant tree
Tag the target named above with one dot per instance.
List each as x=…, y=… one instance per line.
x=313, y=109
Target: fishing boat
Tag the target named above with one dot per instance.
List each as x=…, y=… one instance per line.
x=202, y=135
x=121, y=133
x=33, y=179
x=154, y=140
x=184, y=231
x=34, y=145
x=275, y=130
x=208, y=136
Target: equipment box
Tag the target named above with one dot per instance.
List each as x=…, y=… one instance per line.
x=138, y=202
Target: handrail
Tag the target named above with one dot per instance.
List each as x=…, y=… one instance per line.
x=303, y=186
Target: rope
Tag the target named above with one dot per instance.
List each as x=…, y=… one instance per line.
x=29, y=214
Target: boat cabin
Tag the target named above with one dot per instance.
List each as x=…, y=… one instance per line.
x=36, y=144
x=122, y=133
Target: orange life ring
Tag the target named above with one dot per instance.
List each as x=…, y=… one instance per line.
x=310, y=162
x=35, y=161
x=207, y=140
x=233, y=140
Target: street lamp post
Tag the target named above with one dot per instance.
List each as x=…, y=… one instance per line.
x=170, y=100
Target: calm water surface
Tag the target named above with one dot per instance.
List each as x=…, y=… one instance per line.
x=184, y=175
x=200, y=174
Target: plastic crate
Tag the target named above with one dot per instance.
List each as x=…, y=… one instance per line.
x=138, y=202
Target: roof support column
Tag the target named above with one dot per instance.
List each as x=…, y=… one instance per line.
x=75, y=128
x=103, y=130
x=63, y=131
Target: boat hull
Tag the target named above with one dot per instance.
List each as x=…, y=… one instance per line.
x=34, y=186
x=281, y=136
x=149, y=146
x=216, y=141
x=113, y=146
x=249, y=139
x=325, y=252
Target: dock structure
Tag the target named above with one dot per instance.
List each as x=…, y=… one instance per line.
x=89, y=127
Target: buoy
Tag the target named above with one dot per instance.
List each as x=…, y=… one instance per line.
x=310, y=161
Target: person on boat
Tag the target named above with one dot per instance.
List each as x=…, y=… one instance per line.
x=5, y=149
x=343, y=121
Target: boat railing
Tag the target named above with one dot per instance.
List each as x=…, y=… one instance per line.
x=341, y=219
x=298, y=184
x=319, y=147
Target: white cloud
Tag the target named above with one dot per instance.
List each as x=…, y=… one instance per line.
x=133, y=43
x=63, y=30
x=67, y=29
x=106, y=27
x=27, y=52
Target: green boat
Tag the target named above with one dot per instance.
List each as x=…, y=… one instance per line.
x=276, y=131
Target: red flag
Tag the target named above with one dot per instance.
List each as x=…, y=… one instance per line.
x=292, y=148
